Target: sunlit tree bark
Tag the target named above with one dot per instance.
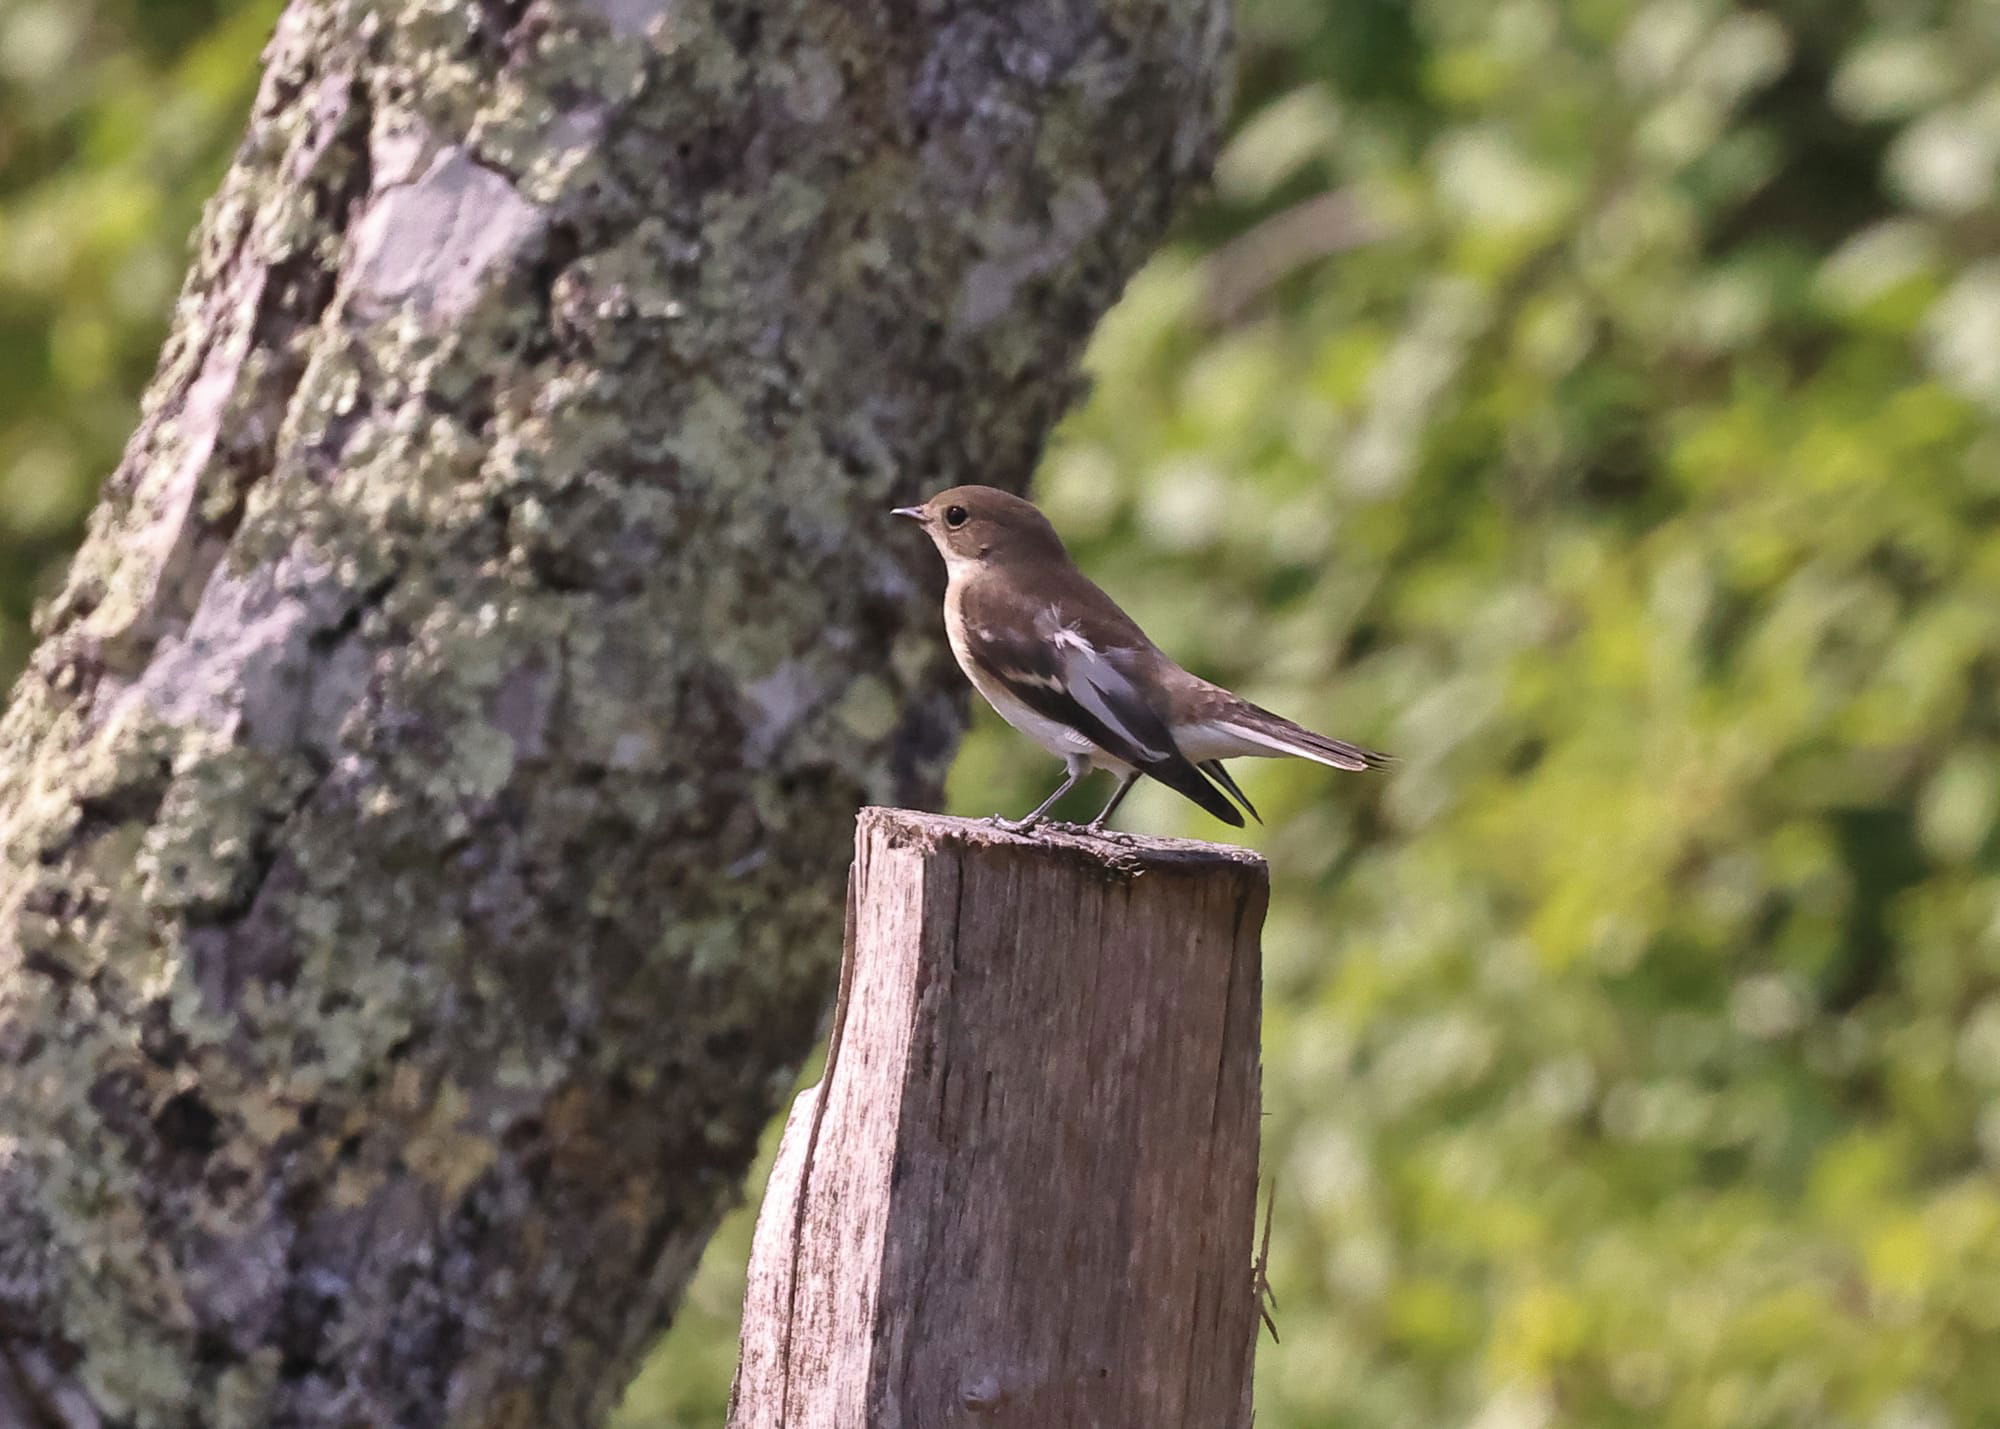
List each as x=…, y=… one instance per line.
x=424, y=817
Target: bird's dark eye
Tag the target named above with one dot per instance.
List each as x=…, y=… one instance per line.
x=954, y=516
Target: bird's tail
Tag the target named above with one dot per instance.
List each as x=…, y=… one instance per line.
x=1266, y=733
x=1214, y=770
x=1183, y=778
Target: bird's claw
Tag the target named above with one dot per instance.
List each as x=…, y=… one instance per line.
x=1012, y=826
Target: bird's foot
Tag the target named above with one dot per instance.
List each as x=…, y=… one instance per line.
x=1116, y=836
x=1013, y=826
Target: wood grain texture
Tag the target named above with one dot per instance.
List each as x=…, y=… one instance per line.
x=1028, y=1197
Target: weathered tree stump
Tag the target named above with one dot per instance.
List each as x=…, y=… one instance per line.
x=1024, y=1191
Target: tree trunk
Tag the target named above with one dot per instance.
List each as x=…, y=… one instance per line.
x=425, y=816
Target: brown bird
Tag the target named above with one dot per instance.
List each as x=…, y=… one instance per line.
x=1060, y=662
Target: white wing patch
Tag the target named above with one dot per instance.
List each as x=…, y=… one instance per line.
x=1094, y=682
x=1069, y=639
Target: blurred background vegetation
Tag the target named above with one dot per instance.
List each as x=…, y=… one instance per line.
x=1594, y=404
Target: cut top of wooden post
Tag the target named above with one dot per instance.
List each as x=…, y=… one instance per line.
x=1023, y=1192
x=1120, y=855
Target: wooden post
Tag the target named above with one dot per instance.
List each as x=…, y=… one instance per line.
x=1023, y=1192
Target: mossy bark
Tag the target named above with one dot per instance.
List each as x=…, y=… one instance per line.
x=423, y=822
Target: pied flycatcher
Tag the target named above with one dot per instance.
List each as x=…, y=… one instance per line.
x=1060, y=662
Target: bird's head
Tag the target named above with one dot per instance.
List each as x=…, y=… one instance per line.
x=972, y=525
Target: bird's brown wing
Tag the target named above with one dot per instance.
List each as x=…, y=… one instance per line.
x=1038, y=649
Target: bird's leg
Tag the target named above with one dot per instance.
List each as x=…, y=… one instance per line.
x=1096, y=825
x=1078, y=767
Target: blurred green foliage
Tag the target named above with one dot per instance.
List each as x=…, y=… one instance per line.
x=1593, y=404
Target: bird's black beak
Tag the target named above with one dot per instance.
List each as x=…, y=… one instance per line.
x=912, y=513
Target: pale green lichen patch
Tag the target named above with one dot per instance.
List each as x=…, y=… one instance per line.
x=629, y=19
x=204, y=848
x=869, y=710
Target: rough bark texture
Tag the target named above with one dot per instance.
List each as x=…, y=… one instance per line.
x=1023, y=1193
x=422, y=825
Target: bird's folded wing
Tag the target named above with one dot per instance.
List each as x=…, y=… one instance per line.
x=1076, y=686
x=1093, y=678
x=1059, y=674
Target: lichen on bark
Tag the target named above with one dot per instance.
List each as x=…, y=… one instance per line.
x=424, y=817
